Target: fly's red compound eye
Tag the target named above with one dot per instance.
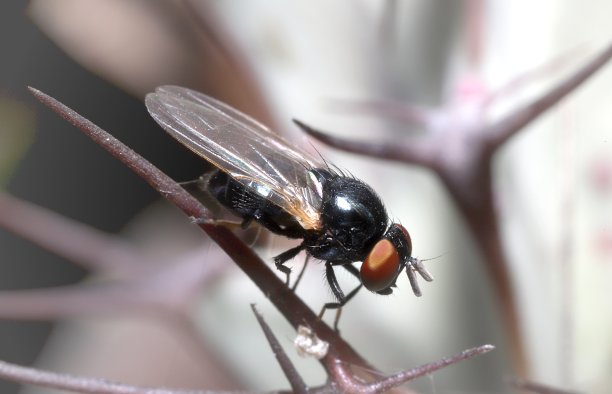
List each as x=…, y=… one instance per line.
x=380, y=268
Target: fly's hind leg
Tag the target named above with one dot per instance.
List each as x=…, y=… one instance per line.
x=338, y=293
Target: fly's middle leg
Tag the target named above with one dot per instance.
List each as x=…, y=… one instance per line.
x=338, y=293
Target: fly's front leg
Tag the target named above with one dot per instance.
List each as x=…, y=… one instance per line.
x=338, y=293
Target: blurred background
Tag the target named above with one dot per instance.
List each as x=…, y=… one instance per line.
x=314, y=60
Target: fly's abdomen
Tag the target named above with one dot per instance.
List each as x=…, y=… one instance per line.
x=251, y=205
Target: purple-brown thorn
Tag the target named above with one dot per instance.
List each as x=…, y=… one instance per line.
x=344, y=380
x=413, y=152
x=17, y=373
x=426, y=369
x=84, y=245
x=295, y=380
x=501, y=131
x=410, y=114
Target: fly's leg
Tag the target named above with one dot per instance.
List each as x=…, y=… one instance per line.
x=354, y=271
x=338, y=293
x=287, y=255
x=301, y=273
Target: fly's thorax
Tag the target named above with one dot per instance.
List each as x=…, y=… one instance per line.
x=353, y=218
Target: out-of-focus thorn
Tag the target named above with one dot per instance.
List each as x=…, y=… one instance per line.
x=533, y=387
x=295, y=380
x=81, y=244
x=411, y=114
x=545, y=70
x=426, y=369
x=412, y=152
x=19, y=374
x=502, y=130
x=83, y=300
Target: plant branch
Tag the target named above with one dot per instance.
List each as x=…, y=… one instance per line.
x=293, y=308
x=83, y=245
x=59, y=381
x=61, y=302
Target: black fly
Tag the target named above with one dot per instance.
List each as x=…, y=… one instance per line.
x=259, y=176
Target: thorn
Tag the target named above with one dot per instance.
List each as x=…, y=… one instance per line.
x=295, y=380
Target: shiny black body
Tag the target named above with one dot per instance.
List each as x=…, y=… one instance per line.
x=352, y=220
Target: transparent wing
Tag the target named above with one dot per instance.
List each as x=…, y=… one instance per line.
x=242, y=147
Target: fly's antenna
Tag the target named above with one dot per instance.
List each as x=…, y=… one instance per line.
x=434, y=258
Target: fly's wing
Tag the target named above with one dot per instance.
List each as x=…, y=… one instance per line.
x=239, y=145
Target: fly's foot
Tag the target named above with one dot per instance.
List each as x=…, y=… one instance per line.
x=283, y=268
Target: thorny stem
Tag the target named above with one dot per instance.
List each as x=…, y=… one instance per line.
x=81, y=384
x=342, y=377
x=293, y=308
x=340, y=356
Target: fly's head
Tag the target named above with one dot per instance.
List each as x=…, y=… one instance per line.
x=386, y=260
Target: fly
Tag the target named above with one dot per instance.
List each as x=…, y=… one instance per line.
x=261, y=177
